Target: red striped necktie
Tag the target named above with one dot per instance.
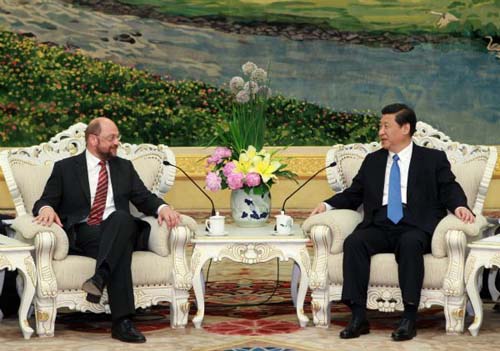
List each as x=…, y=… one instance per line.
x=97, y=210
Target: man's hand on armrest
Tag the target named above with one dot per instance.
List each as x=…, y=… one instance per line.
x=322, y=207
x=464, y=214
x=47, y=216
x=167, y=214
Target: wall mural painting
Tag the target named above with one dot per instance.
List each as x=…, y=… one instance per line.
x=161, y=68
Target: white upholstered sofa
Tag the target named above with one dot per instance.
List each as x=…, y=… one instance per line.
x=444, y=267
x=161, y=274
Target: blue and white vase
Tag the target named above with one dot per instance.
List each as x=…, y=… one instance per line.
x=250, y=210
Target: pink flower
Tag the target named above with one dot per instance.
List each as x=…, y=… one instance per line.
x=228, y=168
x=223, y=152
x=235, y=181
x=219, y=154
x=213, y=181
x=253, y=179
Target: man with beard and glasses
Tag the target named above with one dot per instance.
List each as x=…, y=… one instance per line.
x=405, y=190
x=88, y=195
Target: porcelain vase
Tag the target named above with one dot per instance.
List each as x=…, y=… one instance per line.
x=250, y=210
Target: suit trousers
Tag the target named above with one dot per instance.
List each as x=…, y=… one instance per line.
x=407, y=242
x=111, y=245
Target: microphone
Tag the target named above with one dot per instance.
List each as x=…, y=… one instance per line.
x=167, y=163
x=333, y=164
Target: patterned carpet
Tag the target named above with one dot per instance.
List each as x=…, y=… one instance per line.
x=245, y=310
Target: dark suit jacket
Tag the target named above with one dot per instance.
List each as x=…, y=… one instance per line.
x=67, y=191
x=431, y=191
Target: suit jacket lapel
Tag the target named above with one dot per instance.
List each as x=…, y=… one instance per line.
x=114, y=175
x=379, y=174
x=83, y=175
x=413, y=171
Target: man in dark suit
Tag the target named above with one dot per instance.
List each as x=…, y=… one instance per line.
x=405, y=191
x=88, y=195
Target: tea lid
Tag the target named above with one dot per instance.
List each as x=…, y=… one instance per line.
x=217, y=216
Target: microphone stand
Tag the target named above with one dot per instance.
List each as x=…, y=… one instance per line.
x=167, y=163
x=333, y=164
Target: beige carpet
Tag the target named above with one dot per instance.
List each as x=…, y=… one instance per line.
x=430, y=337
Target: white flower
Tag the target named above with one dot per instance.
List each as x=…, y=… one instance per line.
x=243, y=97
x=248, y=68
x=264, y=91
x=251, y=87
x=259, y=76
x=236, y=84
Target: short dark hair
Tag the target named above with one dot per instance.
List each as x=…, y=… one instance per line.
x=404, y=114
x=94, y=127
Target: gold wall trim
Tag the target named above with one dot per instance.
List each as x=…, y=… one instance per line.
x=304, y=165
x=303, y=160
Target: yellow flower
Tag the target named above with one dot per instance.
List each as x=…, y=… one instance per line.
x=243, y=165
x=246, y=160
x=265, y=167
x=250, y=153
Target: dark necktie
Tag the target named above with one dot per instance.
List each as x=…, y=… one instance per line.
x=395, y=204
x=97, y=210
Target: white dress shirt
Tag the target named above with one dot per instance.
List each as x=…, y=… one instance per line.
x=404, y=166
x=93, y=170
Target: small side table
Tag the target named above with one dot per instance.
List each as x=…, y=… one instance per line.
x=250, y=246
x=15, y=254
x=484, y=253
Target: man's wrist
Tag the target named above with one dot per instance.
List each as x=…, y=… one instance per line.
x=160, y=208
x=41, y=208
x=328, y=207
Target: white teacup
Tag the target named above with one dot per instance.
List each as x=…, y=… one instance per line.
x=284, y=224
x=215, y=225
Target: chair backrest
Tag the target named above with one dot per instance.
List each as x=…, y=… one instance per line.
x=26, y=170
x=472, y=165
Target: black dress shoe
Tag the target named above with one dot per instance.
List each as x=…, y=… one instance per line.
x=406, y=330
x=125, y=331
x=94, y=287
x=355, y=328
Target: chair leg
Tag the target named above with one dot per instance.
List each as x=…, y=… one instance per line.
x=454, y=311
x=495, y=294
x=179, y=309
x=321, y=308
x=45, y=316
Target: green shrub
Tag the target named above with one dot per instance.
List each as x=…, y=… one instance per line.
x=44, y=90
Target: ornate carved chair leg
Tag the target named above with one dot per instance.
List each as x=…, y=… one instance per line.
x=454, y=311
x=179, y=309
x=321, y=308
x=45, y=316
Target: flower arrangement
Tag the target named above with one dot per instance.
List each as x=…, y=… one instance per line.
x=248, y=120
x=242, y=163
x=255, y=170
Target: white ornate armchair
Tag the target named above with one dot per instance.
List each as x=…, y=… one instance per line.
x=161, y=274
x=444, y=267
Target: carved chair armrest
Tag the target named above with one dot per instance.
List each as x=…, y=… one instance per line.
x=456, y=244
x=45, y=247
x=452, y=223
x=340, y=222
x=27, y=229
x=327, y=232
x=180, y=237
x=159, y=236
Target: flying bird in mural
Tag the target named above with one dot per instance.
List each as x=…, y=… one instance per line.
x=491, y=45
x=444, y=19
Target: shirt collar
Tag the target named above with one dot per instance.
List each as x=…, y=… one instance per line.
x=405, y=154
x=92, y=161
